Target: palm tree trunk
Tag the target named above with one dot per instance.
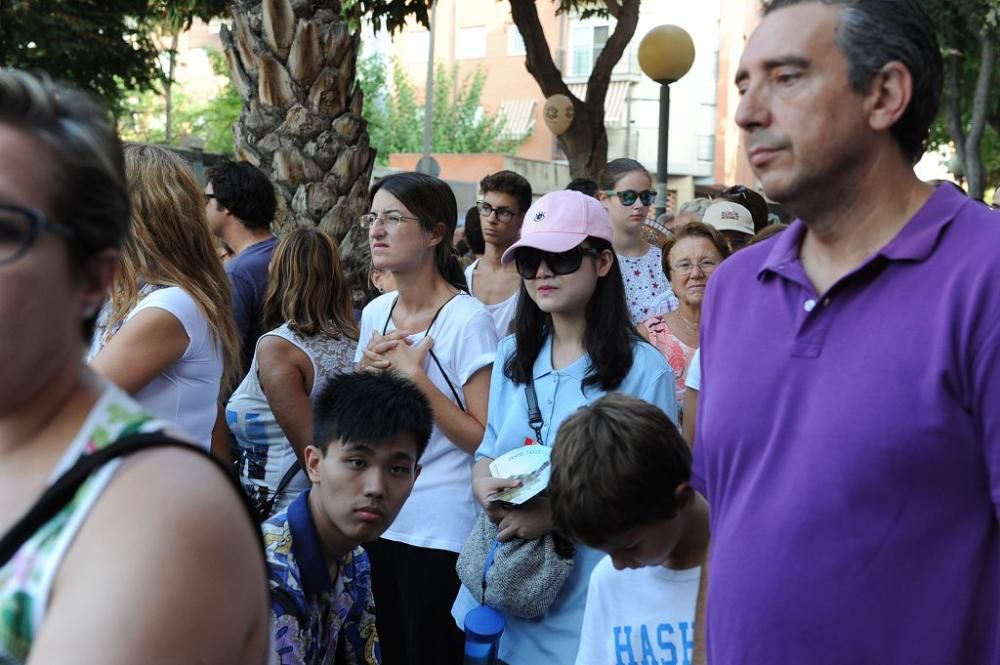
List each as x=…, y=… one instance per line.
x=294, y=64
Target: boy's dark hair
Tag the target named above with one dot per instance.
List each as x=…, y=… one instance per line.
x=244, y=190
x=871, y=34
x=584, y=186
x=615, y=466
x=474, y=231
x=370, y=408
x=508, y=182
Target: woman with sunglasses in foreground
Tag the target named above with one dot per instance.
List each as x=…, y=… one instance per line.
x=433, y=332
x=626, y=193
x=572, y=343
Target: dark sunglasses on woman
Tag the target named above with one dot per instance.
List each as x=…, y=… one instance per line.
x=528, y=259
x=629, y=196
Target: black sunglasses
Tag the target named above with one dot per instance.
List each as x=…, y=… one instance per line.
x=629, y=196
x=528, y=259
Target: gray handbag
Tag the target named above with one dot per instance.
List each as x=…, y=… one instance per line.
x=520, y=578
x=525, y=575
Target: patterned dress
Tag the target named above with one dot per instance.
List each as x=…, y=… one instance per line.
x=265, y=453
x=677, y=353
x=26, y=580
x=647, y=290
x=315, y=618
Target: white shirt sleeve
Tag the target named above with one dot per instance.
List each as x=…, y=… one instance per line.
x=182, y=307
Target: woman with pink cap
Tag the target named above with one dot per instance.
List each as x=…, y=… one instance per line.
x=572, y=343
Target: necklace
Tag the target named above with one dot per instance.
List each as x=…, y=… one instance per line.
x=691, y=326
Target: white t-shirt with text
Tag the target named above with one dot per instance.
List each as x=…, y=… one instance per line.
x=639, y=617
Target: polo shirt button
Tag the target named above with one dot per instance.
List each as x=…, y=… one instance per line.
x=809, y=305
x=826, y=302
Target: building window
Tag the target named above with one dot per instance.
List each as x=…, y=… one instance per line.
x=515, y=43
x=706, y=147
x=470, y=43
x=588, y=42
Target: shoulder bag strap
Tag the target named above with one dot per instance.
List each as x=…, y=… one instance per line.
x=434, y=357
x=534, y=413
x=65, y=487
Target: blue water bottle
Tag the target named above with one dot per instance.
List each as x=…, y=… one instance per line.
x=483, y=628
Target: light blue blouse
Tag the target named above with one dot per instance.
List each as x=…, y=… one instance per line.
x=554, y=637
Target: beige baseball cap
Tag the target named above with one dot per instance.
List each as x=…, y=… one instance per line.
x=729, y=216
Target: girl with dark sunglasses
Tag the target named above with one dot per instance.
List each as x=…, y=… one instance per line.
x=572, y=343
x=626, y=193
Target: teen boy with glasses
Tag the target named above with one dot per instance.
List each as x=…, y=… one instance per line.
x=506, y=196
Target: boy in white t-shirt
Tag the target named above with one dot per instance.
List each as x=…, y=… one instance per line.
x=620, y=472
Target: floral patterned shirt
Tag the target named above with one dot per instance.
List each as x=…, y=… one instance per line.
x=314, y=617
x=26, y=580
x=647, y=291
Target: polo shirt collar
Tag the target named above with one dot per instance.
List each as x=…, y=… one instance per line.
x=313, y=570
x=914, y=242
x=543, y=363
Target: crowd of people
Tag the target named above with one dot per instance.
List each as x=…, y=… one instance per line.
x=763, y=438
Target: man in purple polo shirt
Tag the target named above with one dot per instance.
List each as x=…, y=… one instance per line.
x=849, y=427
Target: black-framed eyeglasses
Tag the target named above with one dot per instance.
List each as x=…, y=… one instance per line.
x=19, y=229
x=208, y=197
x=629, y=196
x=503, y=214
x=389, y=220
x=528, y=259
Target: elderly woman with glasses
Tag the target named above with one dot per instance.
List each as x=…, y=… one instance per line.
x=690, y=257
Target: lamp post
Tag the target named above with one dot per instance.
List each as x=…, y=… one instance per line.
x=666, y=54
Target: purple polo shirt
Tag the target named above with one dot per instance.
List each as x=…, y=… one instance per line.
x=849, y=446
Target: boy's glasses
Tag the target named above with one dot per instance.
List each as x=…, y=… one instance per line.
x=528, y=259
x=629, y=196
x=20, y=228
x=503, y=214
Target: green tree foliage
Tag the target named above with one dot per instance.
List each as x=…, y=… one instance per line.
x=458, y=125
x=207, y=124
x=107, y=46
x=970, y=116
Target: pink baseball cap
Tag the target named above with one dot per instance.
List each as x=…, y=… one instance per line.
x=559, y=221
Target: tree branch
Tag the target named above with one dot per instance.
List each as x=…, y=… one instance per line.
x=953, y=102
x=600, y=76
x=538, y=56
x=614, y=9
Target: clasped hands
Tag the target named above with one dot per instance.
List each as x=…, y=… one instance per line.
x=394, y=351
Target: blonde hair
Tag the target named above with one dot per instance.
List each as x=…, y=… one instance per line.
x=170, y=244
x=306, y=287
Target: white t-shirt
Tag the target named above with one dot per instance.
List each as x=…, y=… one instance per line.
x=693, y=380
x=187, y=392
x=441, y=509
x=502, y=313
x=639, y=616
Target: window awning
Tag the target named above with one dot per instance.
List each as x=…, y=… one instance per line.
x=614, y=101
x=519, y=116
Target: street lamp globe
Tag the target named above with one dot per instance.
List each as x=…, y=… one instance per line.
x=666, y=53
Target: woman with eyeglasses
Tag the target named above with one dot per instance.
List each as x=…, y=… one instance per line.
x=307, y=309
x=572, y=343
x=169, y=337
x=433, y=332
x=152, y=558
x=626, y=193
x=690, y=256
